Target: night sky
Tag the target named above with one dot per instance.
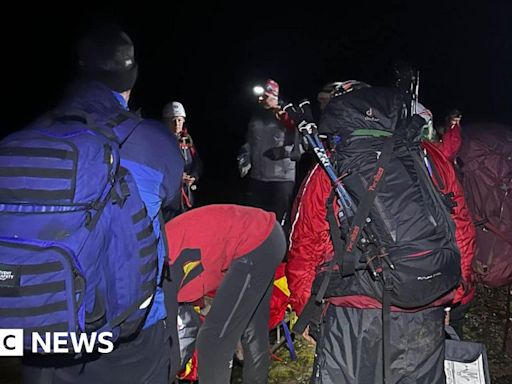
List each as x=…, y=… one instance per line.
x=209, y=57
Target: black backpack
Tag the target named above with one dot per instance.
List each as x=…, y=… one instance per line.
x=399, y=211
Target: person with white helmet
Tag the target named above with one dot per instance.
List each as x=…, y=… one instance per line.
x=174, y=115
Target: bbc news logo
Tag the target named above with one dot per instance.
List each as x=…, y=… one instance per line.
x=11, y=342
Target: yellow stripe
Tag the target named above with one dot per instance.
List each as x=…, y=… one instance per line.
x=188, y=267
x=188, y=368
x=282, y=284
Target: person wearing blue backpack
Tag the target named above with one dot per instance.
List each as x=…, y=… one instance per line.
x=115, y=248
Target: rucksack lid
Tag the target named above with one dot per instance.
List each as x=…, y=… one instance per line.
x=371, y=111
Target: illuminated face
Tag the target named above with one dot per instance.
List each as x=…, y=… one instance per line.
x=270, y=102
x=177, y=124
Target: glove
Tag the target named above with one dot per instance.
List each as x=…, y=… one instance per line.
x=276, y=153
x=302, y=116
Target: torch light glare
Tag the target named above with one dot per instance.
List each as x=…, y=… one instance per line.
x=258, y=90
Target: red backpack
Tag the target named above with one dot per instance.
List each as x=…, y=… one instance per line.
x=486, y=164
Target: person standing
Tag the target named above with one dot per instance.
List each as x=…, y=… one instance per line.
x=174, y=117
x=107, y=75
x=266, y=156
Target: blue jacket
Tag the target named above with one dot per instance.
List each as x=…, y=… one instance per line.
x=152, y=156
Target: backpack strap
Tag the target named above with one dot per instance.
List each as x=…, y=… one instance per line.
x=340, y=251
x=166, y=272
x=363, y=210
x=80, y=116
x=113, y=129
x=484, y=223
x=121, y=130
x=447, y=198
x=386, y=330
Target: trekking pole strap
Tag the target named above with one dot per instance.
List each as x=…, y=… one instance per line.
x=311, y=313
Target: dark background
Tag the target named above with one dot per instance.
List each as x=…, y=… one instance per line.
x=209, y=57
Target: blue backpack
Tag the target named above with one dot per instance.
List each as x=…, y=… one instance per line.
x=77, y=248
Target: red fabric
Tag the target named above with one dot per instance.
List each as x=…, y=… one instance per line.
x=271, y=88
x=186, y=142
x=190, y=372
x=451, y=142
x=278, y=301
x=487, y=181
x=310, y=243
x=223, y=233
x=367, y=302
x=286, y=120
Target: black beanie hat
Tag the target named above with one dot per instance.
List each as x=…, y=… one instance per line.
x=107, y=55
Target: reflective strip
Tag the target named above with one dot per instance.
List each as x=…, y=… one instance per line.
x=235, y=307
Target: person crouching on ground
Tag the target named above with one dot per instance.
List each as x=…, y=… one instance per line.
x=233, y=251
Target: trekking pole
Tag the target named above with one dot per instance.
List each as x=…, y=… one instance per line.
x=415, y=94
x=308, y=129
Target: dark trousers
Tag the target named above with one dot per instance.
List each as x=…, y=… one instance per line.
x=240, y=310
x=350, y=347
x=457, y=317
x=145, y=359
x=272, y=196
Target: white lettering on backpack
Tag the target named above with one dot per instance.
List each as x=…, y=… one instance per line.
x=370, y=116
x=429, y=276
x=6, y=275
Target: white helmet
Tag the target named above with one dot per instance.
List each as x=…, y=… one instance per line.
x=173, y=109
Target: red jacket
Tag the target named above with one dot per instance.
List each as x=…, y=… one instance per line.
x=451, y=142
x=222, y=233
x=310, y=243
